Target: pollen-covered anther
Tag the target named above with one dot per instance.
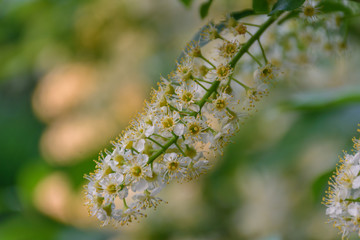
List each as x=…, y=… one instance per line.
x=111, y=188
x=120, y=160
x=172, y=166
x=220, y=104
x=223, y=72
x=168, y=122
x=187, y=96
x=228, y=49
x=194, y=128
x=241, y=29
x=136, y=171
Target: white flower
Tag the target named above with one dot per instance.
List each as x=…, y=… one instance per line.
x=310, y=11
x=174, y=166
x=111, y=186
x=195, y=129
x=137, y=171
x=104, y=214
x=267, y=74
x=184, y=70
x=188, y=94
x=147, y=199
x=221, y=73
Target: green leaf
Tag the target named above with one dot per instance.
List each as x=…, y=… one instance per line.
x=260, y=6
x=241, y=14
x=187, y=3
x=286, y=5
x=320, y=185
x=204, y=8
x=314, y=101
x=331, y=6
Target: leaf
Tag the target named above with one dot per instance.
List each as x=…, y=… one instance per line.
x=320, y=185
x=187, y=3
x=260, y=6
x=204, y=8
x=318, y=100
x=241, y=14
x=286, y=5
x=331, y=6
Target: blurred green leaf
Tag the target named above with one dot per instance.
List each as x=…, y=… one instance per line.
x=324, y=99
x=260, y=6
x=332, y=6
x=286, y=5
x=241, y=14
x=32, y=227
x=320, y=185
x=28, y=178
x=204, y=8
x=187, y=3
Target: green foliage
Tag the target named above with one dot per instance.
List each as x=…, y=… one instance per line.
x=332, y=6
x=260, y=6
x=204, y=8
x=286, y=5
x=241, y=14
x=187, y=3
x=324, y=99
x=320, y=185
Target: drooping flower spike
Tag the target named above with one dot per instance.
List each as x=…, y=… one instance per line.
x=190, y=117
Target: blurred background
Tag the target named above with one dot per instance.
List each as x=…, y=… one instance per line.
x=74, y=72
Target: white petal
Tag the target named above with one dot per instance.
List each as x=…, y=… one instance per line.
x=149, y=131
x=357, y=158
x=194, y=107
x=355, y=170
x=142, y=159
x=139, y=185
x=140, y=145
x=123, y=193
x=179, y=129
x=353, y=209
x=356, y=183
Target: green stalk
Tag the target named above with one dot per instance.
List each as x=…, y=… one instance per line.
x=162, y=150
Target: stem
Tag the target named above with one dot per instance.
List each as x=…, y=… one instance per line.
x=182, y=152
x=203, y=58
x=156, y=142
x=352, y=200
x=125, y=205
x=263, y=52
x=254, y=58
x=212, y=89
x=200, y=84
x=254, y=38
x=251, y=24
x=161, y=151
x=157, y=135
x=202, y=80
x=240, y=83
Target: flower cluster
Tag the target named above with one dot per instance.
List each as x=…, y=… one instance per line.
x=343, y=196
x=190, y=118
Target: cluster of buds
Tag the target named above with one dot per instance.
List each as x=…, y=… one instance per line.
x=190, y=118
x=343, y=196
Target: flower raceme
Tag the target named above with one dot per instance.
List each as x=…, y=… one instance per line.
x=190, y=118
x=343, y=196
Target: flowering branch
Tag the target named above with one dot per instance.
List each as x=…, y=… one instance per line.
x=191, y=116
